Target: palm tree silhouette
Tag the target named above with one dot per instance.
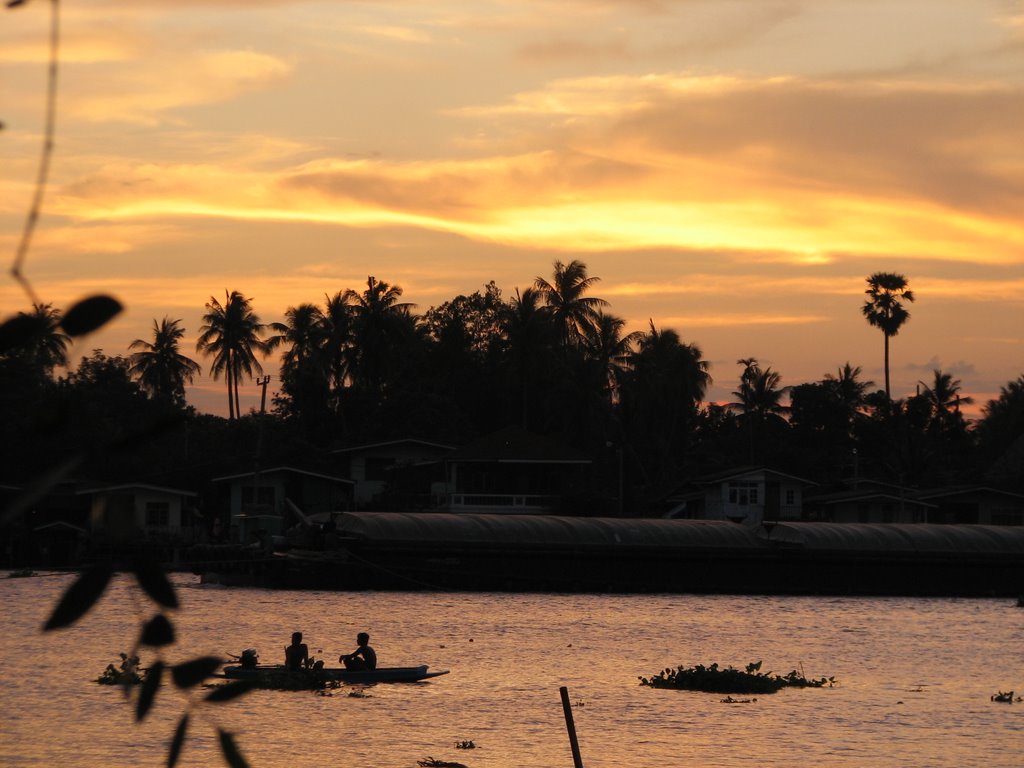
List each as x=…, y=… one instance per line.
x=338, y=341
x=669, y=370
x=943, y=395
x=759, y=394
x=160, y=368
x=303, y=332
x=884, y=309
x=605, y=345
x=231, y=333
x=380, y=325
x=529, y=335
x=46, y=345
x=573, y=313
x=662, y=388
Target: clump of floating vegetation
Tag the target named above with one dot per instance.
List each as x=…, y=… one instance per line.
x=127, y=673
x=715, y=679
x=431, y=762
x=1005, y=697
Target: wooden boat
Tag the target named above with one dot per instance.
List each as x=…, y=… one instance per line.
x=274, y=676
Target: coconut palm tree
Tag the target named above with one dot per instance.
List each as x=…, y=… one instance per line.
x=529, y=337
x=759, y=394
x=944, y=398
x=303, y=334
x=43, y=344
x=662, y=388
x=381, y=325
x=231, y=333
x=572, y=312
x=605, y=345
x=159, y=367
x=338, y=338
x=664, y=364
x=305, y=376
x=884, y=309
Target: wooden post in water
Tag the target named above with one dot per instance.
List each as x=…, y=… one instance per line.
x=577, y=761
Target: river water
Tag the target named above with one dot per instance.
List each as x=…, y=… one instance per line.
x=914, y=678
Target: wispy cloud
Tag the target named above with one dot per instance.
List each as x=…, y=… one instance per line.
x=145, y=93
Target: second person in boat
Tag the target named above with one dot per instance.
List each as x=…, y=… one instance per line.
x=363, y=657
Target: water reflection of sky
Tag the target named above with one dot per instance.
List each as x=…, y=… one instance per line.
x=915, y=677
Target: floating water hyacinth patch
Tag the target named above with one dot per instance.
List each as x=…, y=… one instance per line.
x=714, y=679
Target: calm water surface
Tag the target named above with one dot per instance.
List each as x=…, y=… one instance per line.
x=915, y=677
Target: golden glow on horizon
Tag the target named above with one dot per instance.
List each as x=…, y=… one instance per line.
x=716, y=166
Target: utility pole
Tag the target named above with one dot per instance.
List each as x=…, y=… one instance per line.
x=262, y=382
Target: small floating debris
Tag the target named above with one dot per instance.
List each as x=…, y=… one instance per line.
x=731, y=700
x=714, y=679
x=465, y=744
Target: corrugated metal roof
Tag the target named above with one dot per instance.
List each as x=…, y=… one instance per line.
x=549, y=530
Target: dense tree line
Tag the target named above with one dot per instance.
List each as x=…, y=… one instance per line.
x=364, y=366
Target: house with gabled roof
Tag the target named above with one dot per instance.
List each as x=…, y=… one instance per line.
x=512, y=471
x=868, y=503
x=749, y=495
x=261, y=501
x=372, y=466
x=154, y=511
x=973, y=505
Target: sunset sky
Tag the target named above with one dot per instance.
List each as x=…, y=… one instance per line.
x=729, y=169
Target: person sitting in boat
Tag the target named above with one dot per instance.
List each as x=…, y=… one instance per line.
x=363, y=657
x=296, y=655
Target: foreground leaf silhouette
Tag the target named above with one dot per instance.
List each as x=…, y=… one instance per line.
x=89, y=314
x=149, y=688
x=177, y=742
x=230, y=749
x=79, y=597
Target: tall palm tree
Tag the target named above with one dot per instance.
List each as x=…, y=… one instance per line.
x=305, y=377
x=160, y=368
x=381, y=323
x=303, y=333
x=884, y=309
x=338, y=338
x=528, y=334
x=572, y=312
x=662, y=389
x=231, y=332
x=609, y=349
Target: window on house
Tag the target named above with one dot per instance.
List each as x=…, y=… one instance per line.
x=790, y=497
x=158, y=514
x=742, y=493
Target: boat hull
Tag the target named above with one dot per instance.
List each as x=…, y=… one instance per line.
x=269, y=674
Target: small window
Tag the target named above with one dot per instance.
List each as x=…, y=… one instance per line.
x=743, y=493
x=790, y=497
x=158, y=514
